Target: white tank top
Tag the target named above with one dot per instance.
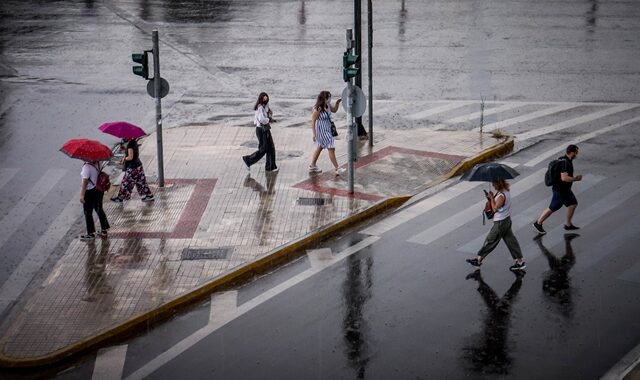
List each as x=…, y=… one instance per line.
x=505, y=211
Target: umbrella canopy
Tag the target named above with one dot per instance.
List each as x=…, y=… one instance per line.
x=489, y=172
x=87, y=150
x=123, y=130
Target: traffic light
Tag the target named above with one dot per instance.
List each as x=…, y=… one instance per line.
x=349, y=59
x=142, y=59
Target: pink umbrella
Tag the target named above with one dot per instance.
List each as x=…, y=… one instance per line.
x=123, y=130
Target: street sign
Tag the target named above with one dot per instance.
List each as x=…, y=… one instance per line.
x=164, y=88
x=359, y=101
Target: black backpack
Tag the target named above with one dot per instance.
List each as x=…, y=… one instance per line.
x=552, y=175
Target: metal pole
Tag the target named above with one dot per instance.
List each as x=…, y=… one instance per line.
x=156, y=85
x=357, y=25
x=370, y=64
x=351, y=132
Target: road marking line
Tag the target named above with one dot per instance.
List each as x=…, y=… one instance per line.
x=418, y=209
x=624, y=366
x=488, y=112
x=110, y=363
x=436, y=110
x=587, y=216
x=19, y=213
x=526, y=117
x=319, y=257
x=223, y=306
x=473, y=211
x=527, y=216
x=573, y=122
x=197, y=336
x=39, y=253
x=6, y=174
x=561, y=148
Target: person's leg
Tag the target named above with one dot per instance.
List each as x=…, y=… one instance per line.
x=141, y=182
x=332, y=157
x=97, y=206
x=513, y=245
x=316, y=154
x=87, y=207
x=490, y=242
x=571, y=202
x=270, y=150
x=545, y=214
x=126, y=186
x=258, y=154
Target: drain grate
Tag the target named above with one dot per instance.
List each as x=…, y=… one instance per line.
x=313, y=201
x=206, y=253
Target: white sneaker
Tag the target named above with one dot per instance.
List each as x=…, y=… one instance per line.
x=340, y=171
x=314, y=169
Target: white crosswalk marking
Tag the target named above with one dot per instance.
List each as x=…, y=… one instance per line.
x=455, y=221
x=110, y=363
x=436, y=110
x=573, y=122
x=6, y=174
x=526, y=217
x=33, y=261
x=19, y=213
x=424, y=206
x=487, y=112
x=224, y=307
x=587, y=215
x=526, y=117
x=561, y=148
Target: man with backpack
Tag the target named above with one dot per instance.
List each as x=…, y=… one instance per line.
x=561, y=172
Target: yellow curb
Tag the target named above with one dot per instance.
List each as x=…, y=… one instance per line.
x=494, y=151
x=244, y=272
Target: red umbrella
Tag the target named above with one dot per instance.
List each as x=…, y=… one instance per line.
x=87, y=150
x=123, y=130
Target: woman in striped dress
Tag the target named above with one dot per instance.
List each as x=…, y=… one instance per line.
x=321, y=128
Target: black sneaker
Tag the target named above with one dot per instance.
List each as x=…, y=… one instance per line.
x=86, y=237
x=571, y=227
x=102, y=234
x=539, y=228
x=148, y=198
x=517, y=266
x=474, y=262
x=117, y=200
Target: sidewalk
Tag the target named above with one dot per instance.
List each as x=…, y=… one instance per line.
x=213, y=223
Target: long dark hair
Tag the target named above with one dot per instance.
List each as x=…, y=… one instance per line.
x=260, y=101
x=321, y=101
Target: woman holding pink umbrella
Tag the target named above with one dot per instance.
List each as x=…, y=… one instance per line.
x=134, y=172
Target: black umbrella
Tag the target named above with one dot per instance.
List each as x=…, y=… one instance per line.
x=489, y=172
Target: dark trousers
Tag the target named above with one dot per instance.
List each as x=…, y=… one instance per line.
x=501, y=230
x=265, y=146
x=93, y=202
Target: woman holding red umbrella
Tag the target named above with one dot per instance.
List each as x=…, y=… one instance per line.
x=133, y=175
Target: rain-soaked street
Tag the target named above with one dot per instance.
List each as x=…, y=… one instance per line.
x=65, y=68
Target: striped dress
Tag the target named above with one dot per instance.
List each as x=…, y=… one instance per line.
x=324, y=138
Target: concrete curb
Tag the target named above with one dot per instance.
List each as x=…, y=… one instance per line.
x=269, y=261
x=498, y=150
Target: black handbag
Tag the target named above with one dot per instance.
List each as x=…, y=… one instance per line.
x=334, y=131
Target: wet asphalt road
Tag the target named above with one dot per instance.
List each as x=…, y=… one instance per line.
x=65, y=68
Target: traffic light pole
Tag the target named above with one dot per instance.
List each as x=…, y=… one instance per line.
x=157, y=83
x=351, y=126
x=370, y=67
x=357, y=25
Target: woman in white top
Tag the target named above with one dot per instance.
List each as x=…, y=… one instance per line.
x=91, y=200
x=501, y=229
x=262, y=122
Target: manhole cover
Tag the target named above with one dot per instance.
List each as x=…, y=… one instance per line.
x=206, y=253
x=313, y=201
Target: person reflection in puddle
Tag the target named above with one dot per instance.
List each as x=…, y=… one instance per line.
x=489, y=353
x=97, y=285
x=263, y=225
x=557, y=283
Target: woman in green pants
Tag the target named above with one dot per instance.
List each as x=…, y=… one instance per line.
x=501, y=230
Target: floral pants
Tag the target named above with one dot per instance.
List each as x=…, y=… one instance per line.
x=133, y=177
